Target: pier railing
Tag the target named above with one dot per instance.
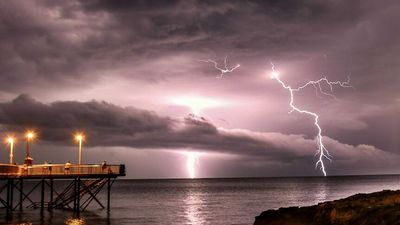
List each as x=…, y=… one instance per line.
x=8, y=169
x=61, y=169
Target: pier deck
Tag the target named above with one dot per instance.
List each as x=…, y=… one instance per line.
x=60, y=171
x=84, y=183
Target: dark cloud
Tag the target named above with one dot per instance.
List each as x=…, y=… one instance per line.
x=56, y=120
x=124, y=5
x=113, y=126
x=47, y=41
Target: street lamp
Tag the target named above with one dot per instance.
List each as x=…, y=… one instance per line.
x=29, y=135
x=79, y=137
x=10, y=140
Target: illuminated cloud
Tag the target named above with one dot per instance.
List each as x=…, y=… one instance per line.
x=109, y=125
x=134, y=54
x=195, y=103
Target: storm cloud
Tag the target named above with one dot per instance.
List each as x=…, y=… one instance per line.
x=47, y=41
x=114, y=126
x=133, y=57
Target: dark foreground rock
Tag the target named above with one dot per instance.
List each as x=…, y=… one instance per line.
x=362, y=209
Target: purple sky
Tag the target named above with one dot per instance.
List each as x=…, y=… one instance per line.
x=125, y=72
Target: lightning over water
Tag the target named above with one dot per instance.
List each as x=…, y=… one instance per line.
x=191, y=162
x=322, y=151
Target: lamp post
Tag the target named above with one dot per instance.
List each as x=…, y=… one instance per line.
x=30, y=135
x=79, y=137
x=10, y=141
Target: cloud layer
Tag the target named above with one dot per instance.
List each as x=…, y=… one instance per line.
x=114, y=126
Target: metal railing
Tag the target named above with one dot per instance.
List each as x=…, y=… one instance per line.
x=61, y=169
x=7, y=169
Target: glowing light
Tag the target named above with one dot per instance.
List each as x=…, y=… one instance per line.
x=30, y=135
x=191, y=163
x=196, y=104
x=79, y=137
x=223, y=70
x=11, y=140
x=75, y=221
x=274, y=75
x=322, y=152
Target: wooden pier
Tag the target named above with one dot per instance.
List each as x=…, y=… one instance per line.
x=82, y=184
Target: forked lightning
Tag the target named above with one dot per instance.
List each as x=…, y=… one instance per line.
x=322, y=152
x=224, y=70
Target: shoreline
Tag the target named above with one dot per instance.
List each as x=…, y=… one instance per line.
x=381, y=207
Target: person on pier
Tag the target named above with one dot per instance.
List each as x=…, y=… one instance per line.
x=67, y=167
x=103, y=166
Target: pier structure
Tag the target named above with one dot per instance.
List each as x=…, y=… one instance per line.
x=56, y=186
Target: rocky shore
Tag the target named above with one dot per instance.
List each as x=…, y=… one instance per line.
x=361, y=209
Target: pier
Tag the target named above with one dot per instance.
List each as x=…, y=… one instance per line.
x=61, y=186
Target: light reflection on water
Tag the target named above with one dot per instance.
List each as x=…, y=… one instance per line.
x=56, y=216
x=321, y=193
x=205, y=201
x=75, y=221
x=193, y=208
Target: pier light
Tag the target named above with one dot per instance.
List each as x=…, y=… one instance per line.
x=30, y=136
x=11, y=140
x=79, y=137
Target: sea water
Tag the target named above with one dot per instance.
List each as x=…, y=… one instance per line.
x=206, y=201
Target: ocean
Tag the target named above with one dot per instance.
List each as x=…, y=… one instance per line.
x=207, y=201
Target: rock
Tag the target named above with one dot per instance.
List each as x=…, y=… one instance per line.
x=361, y=209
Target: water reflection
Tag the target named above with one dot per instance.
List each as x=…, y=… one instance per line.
x=75, y=221
x=32, y=217
x=321, y=192
x=194, y=205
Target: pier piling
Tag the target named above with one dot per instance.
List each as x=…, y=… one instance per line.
x=85, y=183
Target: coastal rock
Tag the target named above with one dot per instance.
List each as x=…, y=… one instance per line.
x=362, y=209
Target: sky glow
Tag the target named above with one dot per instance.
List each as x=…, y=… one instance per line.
x=196, y=104
x=191, y=164
x=144, y=76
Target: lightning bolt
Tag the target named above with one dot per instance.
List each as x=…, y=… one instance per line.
x=191, y=164
x=322, y=152
x=223, y=70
